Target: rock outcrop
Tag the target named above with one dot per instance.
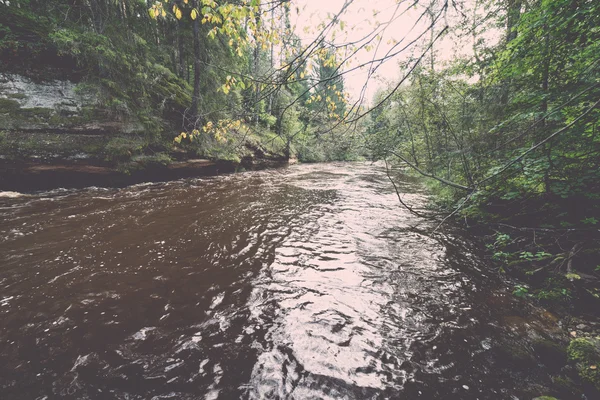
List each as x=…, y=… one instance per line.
x=57, y=106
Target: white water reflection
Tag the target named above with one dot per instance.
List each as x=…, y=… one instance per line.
x=322, y=297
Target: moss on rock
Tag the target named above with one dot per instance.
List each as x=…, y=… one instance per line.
x=9, y=105
x=585, y=353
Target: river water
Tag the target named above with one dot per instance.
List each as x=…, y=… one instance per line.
x=308, y=282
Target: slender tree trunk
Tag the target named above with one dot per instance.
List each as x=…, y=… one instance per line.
x=513, y=15
x=288, y=148
x=187, y=70
x=544, y=108
x=546, y=76
x=196, y=95
x=97, y=17
x=180, y=50
x=256, y=55
x=256, y=86
x=272, y=62
x=431, y=40
x=124, y=11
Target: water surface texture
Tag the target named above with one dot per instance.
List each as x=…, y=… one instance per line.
x=309, y=282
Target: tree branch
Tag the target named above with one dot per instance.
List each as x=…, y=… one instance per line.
x=442, y=180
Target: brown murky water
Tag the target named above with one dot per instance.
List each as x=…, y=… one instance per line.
x=308, y=282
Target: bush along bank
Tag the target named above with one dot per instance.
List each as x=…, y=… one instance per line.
x=553, y=262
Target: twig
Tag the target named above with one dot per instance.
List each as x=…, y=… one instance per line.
x=522, y=228
x=457, y=209
x=444, y=181
x=418, y=214
x=572, y=254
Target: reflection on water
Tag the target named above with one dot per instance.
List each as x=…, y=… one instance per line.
x=304, y=283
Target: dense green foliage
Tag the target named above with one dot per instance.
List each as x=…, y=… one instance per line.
x=509, y=138
x=208, y=69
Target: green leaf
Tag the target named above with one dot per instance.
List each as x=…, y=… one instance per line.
x=572, y=276
x=520, y=291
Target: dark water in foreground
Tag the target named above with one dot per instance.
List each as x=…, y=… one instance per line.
x=302, y=283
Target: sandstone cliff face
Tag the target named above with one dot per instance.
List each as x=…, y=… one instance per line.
x=58, y=120
x=58, y=106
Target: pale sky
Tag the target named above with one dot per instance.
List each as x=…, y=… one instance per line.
x=395, y=22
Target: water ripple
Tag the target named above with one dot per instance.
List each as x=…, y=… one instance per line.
x=304, y=283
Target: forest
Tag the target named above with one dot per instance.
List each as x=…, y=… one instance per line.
x=494, y=106
x=203, y=69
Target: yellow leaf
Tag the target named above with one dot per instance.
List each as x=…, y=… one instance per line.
x=178, y=14
x=593, y=367
x=194, y=14
x=185, y=1
x=164, y=13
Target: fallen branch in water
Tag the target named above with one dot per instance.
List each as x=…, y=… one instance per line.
x=523, y=228
x=457, y=209
x=437, y=178
x=418, y=214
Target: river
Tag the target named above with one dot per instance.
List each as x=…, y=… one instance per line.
x=307, y=282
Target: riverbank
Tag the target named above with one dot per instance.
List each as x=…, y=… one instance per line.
x=547, y=249
x=30, y=176
x=65, y=132
x=554, y=263
x=47, y=158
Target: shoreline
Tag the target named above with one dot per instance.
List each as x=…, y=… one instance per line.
x=30, y=177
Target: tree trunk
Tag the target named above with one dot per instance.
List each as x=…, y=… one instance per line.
x=97, y=17
x=544, y=109
x=193, y=120
x=513, y=15
x=180, y=50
